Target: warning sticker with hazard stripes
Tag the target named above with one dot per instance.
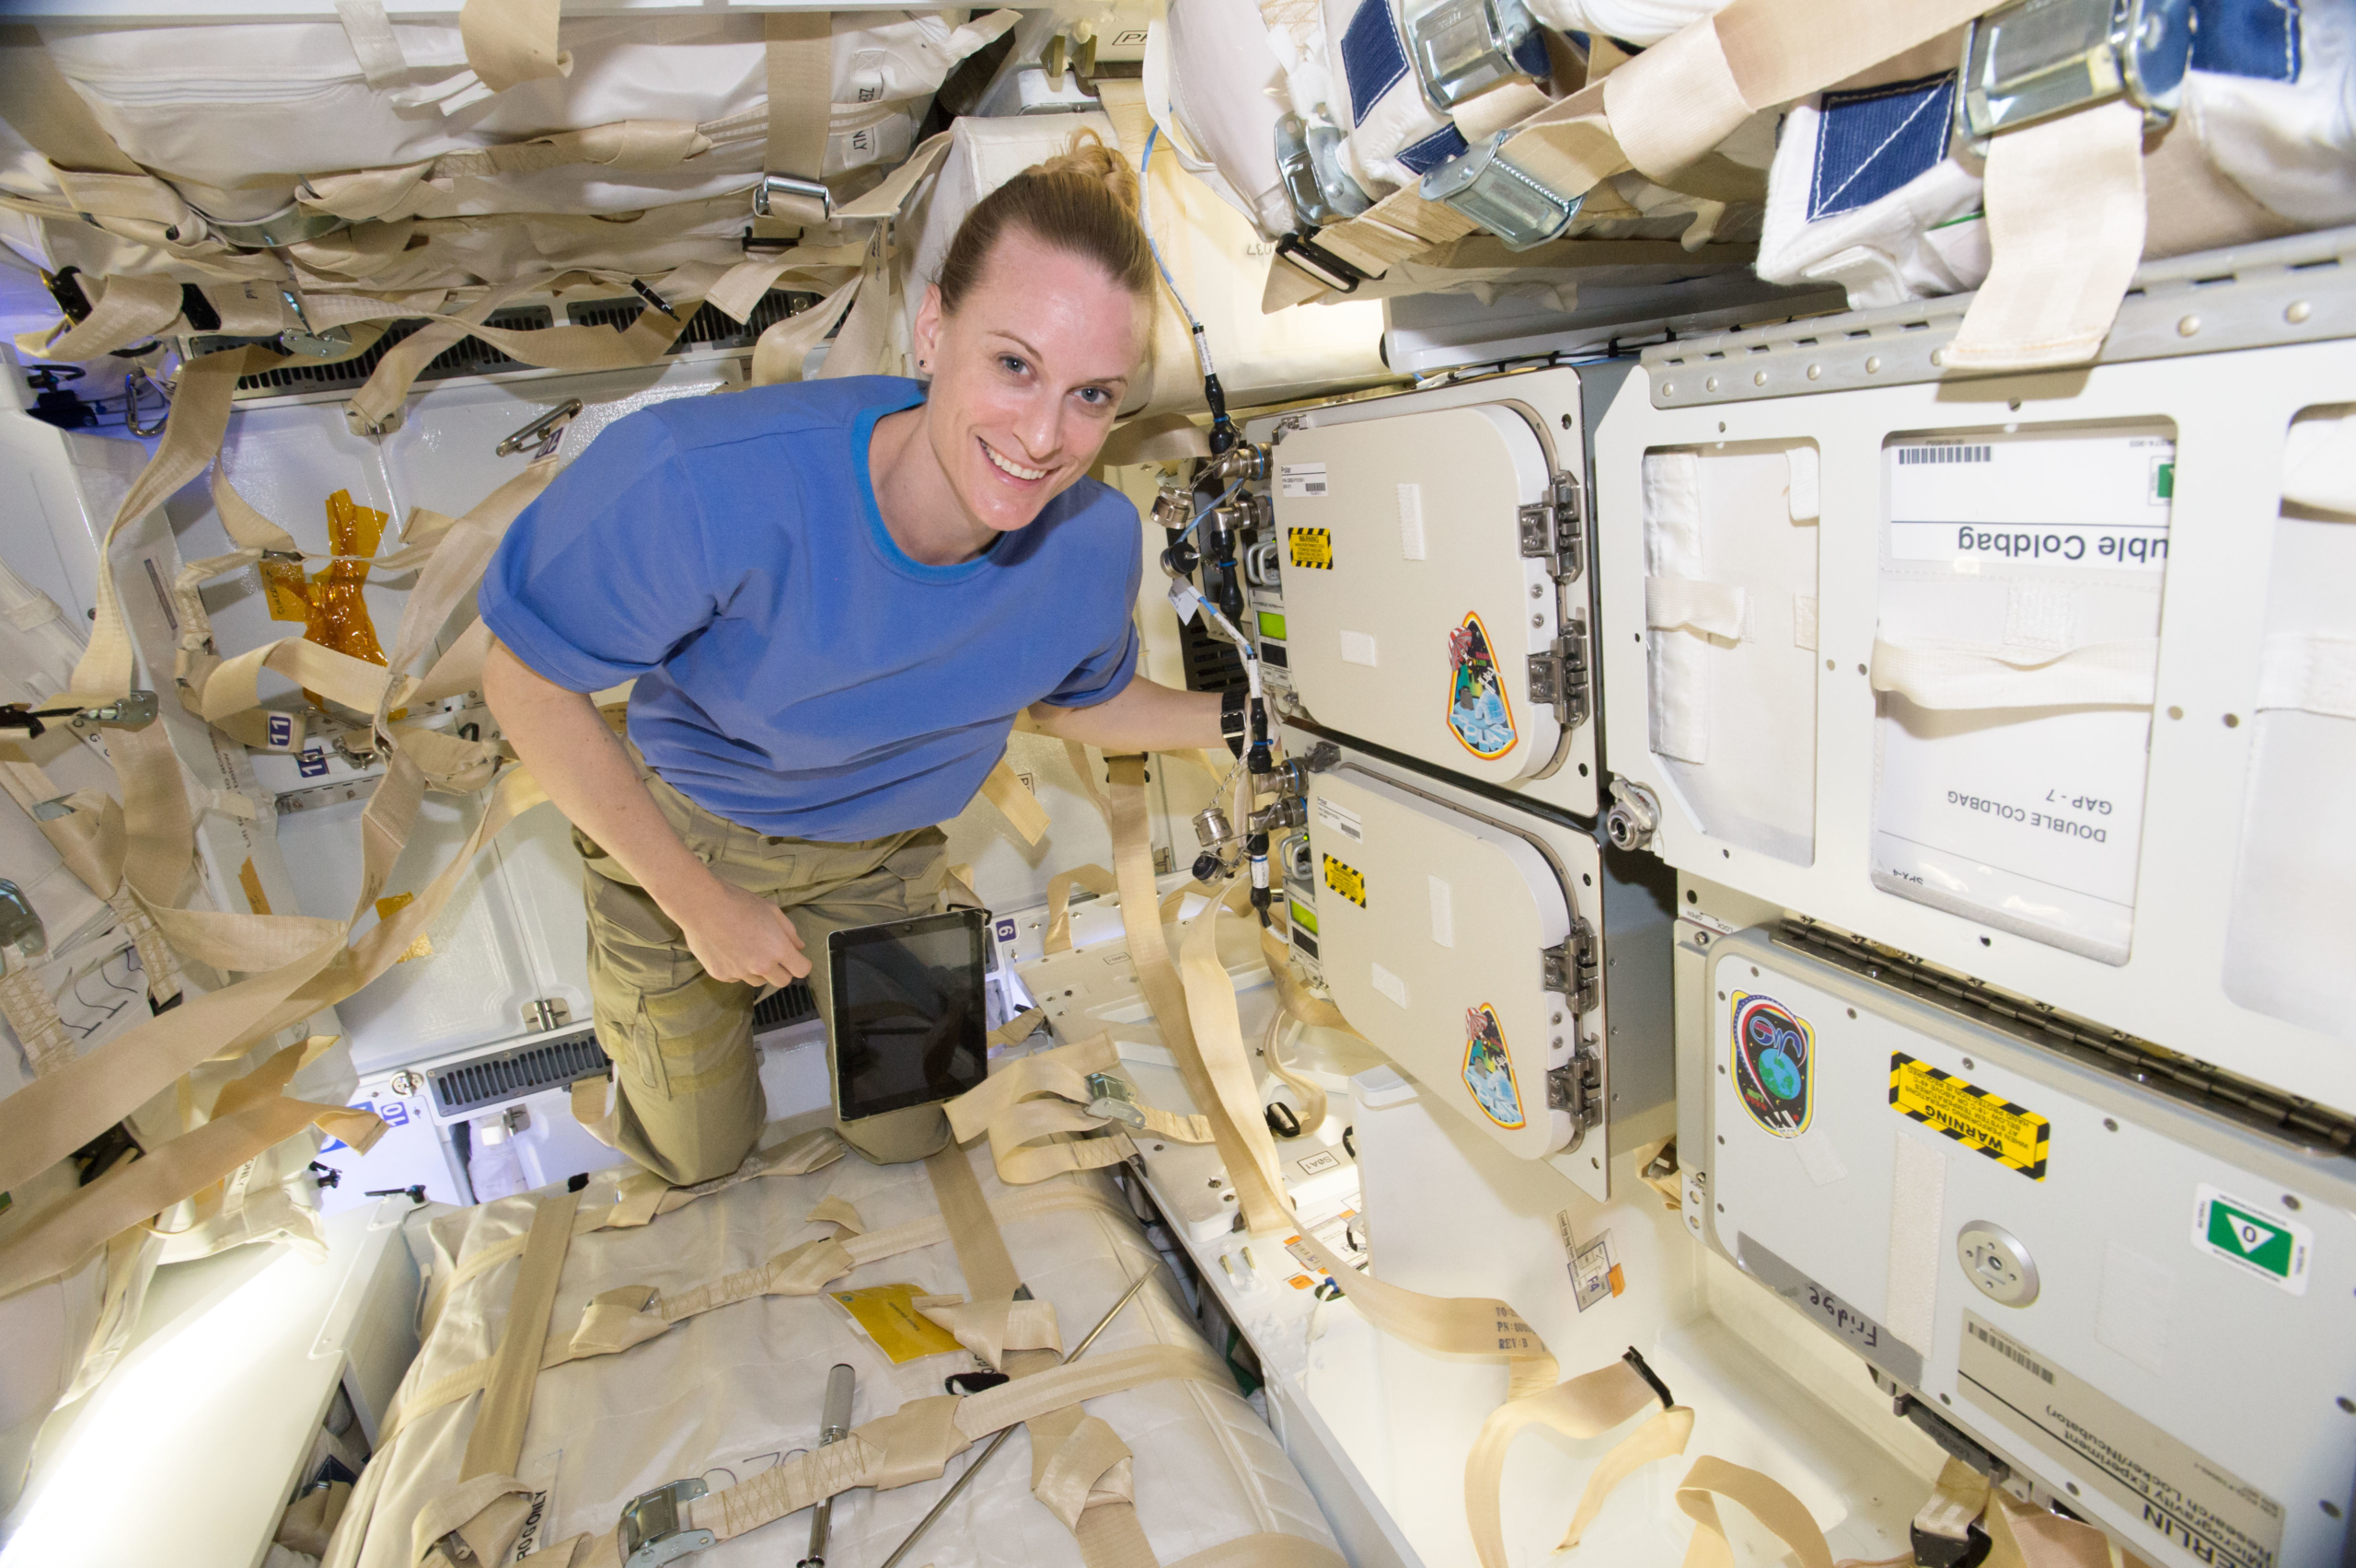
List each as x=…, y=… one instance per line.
x=1312, y=547
x=1346, y=880
x=2014, y=1137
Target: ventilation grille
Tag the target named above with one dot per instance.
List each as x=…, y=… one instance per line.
x=472, y=356
x=1212, y=662
x=524, y=1070
x=780, y=1007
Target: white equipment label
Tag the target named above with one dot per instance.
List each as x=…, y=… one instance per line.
x=2097, y=500
x=1301, y=479
x=1341, y=818
x=2039, y=815
x=2199, y=1506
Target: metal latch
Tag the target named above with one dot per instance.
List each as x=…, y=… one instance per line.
x=1572, y=1087
x=1569, y=967
x=1507, y=201
x=775, y=195
x=1558, y=677
x=1464, y=47
x=1114, y=1100
x=1556, y=528
x=22, y=934
x=1309, y=161
x=544, y=1013
x=650, y=1531
x=1325, y=268
x=543, y=434
x=2036, y=59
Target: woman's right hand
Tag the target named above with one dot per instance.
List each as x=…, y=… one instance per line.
x=738, y=936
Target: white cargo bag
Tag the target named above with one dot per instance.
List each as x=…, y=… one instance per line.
x=2015, y=654
x=1730, y=563
x=1872, y=188
x=2290, y=927
x=1217, y=78
x=678, y=109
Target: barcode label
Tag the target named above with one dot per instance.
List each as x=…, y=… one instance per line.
x=2009, y=1350
x=1910, y=456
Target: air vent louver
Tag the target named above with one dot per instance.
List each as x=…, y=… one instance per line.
x=509, y=1075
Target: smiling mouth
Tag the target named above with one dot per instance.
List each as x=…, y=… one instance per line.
x=1011, y=469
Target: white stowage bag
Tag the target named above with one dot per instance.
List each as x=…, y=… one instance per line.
x=2015, y=658
x=725, y=1393
x=1219, y=75
x=1730, y=564
x=2291, y=926
x=1870, y=190
x=216, y=108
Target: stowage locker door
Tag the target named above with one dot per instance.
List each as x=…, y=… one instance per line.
x=1449, y=939
x=1431, y=576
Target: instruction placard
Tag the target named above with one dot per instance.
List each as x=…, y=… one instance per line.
x=2254, y=1237
x=1977, y=1118
x=887, y=1315
x=1341, y=818
x=2179, y=1495
x=1304, y=479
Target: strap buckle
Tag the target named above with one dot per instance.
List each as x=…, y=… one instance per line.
x=22, y=934
x=772, y=195
x=2037, y=60
x=1503, y=198
x=1328, y=270
x=1465, y=47
x=1309, y=161
x=651, y=1532
x=1114, y=1100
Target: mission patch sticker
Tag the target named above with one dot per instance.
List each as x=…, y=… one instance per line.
x=2253, y=1239
x=1974, y=1117
x=1488, y=1069
x=1345, y=881
x=1477, y=708
x=1312, y=547
x=1773, y=1065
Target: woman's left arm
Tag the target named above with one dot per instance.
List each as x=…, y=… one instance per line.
x=1143, y=717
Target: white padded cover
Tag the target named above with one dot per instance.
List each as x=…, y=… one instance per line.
x=723, y=1394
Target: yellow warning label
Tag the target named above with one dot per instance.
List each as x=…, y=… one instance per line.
x=887, y=1314
x=251, y=880
x=388, y=907
x=1977, y=1119
x=1312, y=547
x=1345, y=881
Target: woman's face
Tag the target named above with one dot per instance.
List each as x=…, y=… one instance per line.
x=1027, y=376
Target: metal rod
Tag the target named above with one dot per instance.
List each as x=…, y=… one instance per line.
x=1005, y=1431
x=834, y=1423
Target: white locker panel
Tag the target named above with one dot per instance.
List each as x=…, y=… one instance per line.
x=1425, y=573
x=1431, y=924
x=2140, y=1305
x=1413, y=612
x=2202, y=675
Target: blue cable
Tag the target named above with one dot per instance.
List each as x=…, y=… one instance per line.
x=1145, y=220
x=1207, y=511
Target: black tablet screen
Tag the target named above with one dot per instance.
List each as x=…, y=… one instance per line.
x=909, y=1014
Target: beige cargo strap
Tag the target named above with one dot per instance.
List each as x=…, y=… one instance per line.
x=1586, y=1406
x=914, y=1443
x=1032, y=1108
x=1095, y=878
x=252, y=1114
x=1226, y=1096
x=1005, y=789
x=618, y=1319
x=43, y=107
x=800, y=64
x=2066, y=215
x=1970, y=675
x=513, y=41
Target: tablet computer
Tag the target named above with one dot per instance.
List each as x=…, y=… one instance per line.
x=907, y=1011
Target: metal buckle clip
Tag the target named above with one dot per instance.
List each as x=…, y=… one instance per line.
x=1113, y=1098
x=650, y=1530
x=1506, y=200
x=1464, y=47
x=1328, y=270
x=22, y=934
x=2036, y=59
x=772, y=195
x=1309, y=161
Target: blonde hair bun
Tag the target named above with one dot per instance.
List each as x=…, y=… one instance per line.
x=1087, y=155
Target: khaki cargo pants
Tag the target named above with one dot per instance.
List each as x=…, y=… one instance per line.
x=688, y=1103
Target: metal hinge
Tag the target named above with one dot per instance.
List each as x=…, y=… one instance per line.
x=1558, y=677
x=1555, y=530
x=544, y=1013
x=1573, y=1086
x=1570, y=967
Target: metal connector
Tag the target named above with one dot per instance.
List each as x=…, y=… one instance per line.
x=652, y=1532
x=1462, y=48
x=1501, y=197
x=2037, y=60
x=1309, y=161
x=1114, y=1100
x=775, y=195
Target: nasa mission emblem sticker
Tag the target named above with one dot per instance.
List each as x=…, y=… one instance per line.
x=1477, y=709
x=1488, y=1069
x=1773, y=1065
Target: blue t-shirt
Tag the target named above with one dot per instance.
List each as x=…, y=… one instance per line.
x=797, y=673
